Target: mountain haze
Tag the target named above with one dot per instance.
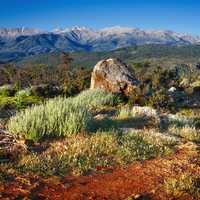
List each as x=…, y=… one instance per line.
x=22, y=42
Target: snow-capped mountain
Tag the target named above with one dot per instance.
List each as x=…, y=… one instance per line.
x=22, y=42
x=15, y=32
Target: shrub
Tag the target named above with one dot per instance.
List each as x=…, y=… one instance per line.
x=197, y=123
x=7, y=90
x=56, y=118
x=96, y=99
x=7, y=103
x=23, y=93
x=22, y=103
x=160, y=99
x=60, y=116
x=24, y=98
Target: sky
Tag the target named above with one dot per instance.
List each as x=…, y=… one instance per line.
x=177, y=15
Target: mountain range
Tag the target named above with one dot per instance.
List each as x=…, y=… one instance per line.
x=18, y=43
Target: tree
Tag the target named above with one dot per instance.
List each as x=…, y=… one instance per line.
x=66, y=60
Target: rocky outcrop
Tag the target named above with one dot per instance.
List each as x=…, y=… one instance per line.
x=114, y=76
x=10, y=147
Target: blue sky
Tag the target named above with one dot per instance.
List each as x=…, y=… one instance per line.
x=178, y=15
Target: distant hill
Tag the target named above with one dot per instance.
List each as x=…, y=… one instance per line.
x=162, y=55
x=22, y=42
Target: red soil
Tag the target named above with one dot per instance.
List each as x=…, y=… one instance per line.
x=139, y=181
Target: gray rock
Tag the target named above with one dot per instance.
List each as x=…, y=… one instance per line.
x=114, y=76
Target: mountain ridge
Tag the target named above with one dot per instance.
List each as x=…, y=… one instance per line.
x=22, y=42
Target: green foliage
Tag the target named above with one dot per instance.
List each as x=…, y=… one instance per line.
x=7, y=103
x=17, y=102
x=23, y=93
x=124, y=113
x=56, y=118
x=179, y=121
x=7, y=90
x=60, y=116
x=96, y=99
x=160, y=100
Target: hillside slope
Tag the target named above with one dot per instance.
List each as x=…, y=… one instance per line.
x=156, y=54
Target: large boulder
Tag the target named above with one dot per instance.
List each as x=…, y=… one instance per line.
x=114, y=76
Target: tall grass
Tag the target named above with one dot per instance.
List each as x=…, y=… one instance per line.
x=124, y=113
x=179, y=121
x=56, y=118
x=96, y=99
x=60, y=116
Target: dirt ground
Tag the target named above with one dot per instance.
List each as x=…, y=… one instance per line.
x=136, y=181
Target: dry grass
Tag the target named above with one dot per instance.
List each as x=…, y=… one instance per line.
x=186, y=132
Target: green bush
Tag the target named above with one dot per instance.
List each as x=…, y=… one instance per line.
x=7, y=90
x=60, y=116
x=124, y=113
x=197, y=123
x=7, y=103
x=24, y=98
x=56, y=118
x=96, y=99
x=23, y=93
x=26, y=101
x=160, y=99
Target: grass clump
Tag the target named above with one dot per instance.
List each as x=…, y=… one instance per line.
x=60, y=117
x=185, y=184
x=138, y=147
x=178, y=121
x=56, y=118
x=124, y=113
x=96, y=99
x=186, y=132
x=154, y=137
